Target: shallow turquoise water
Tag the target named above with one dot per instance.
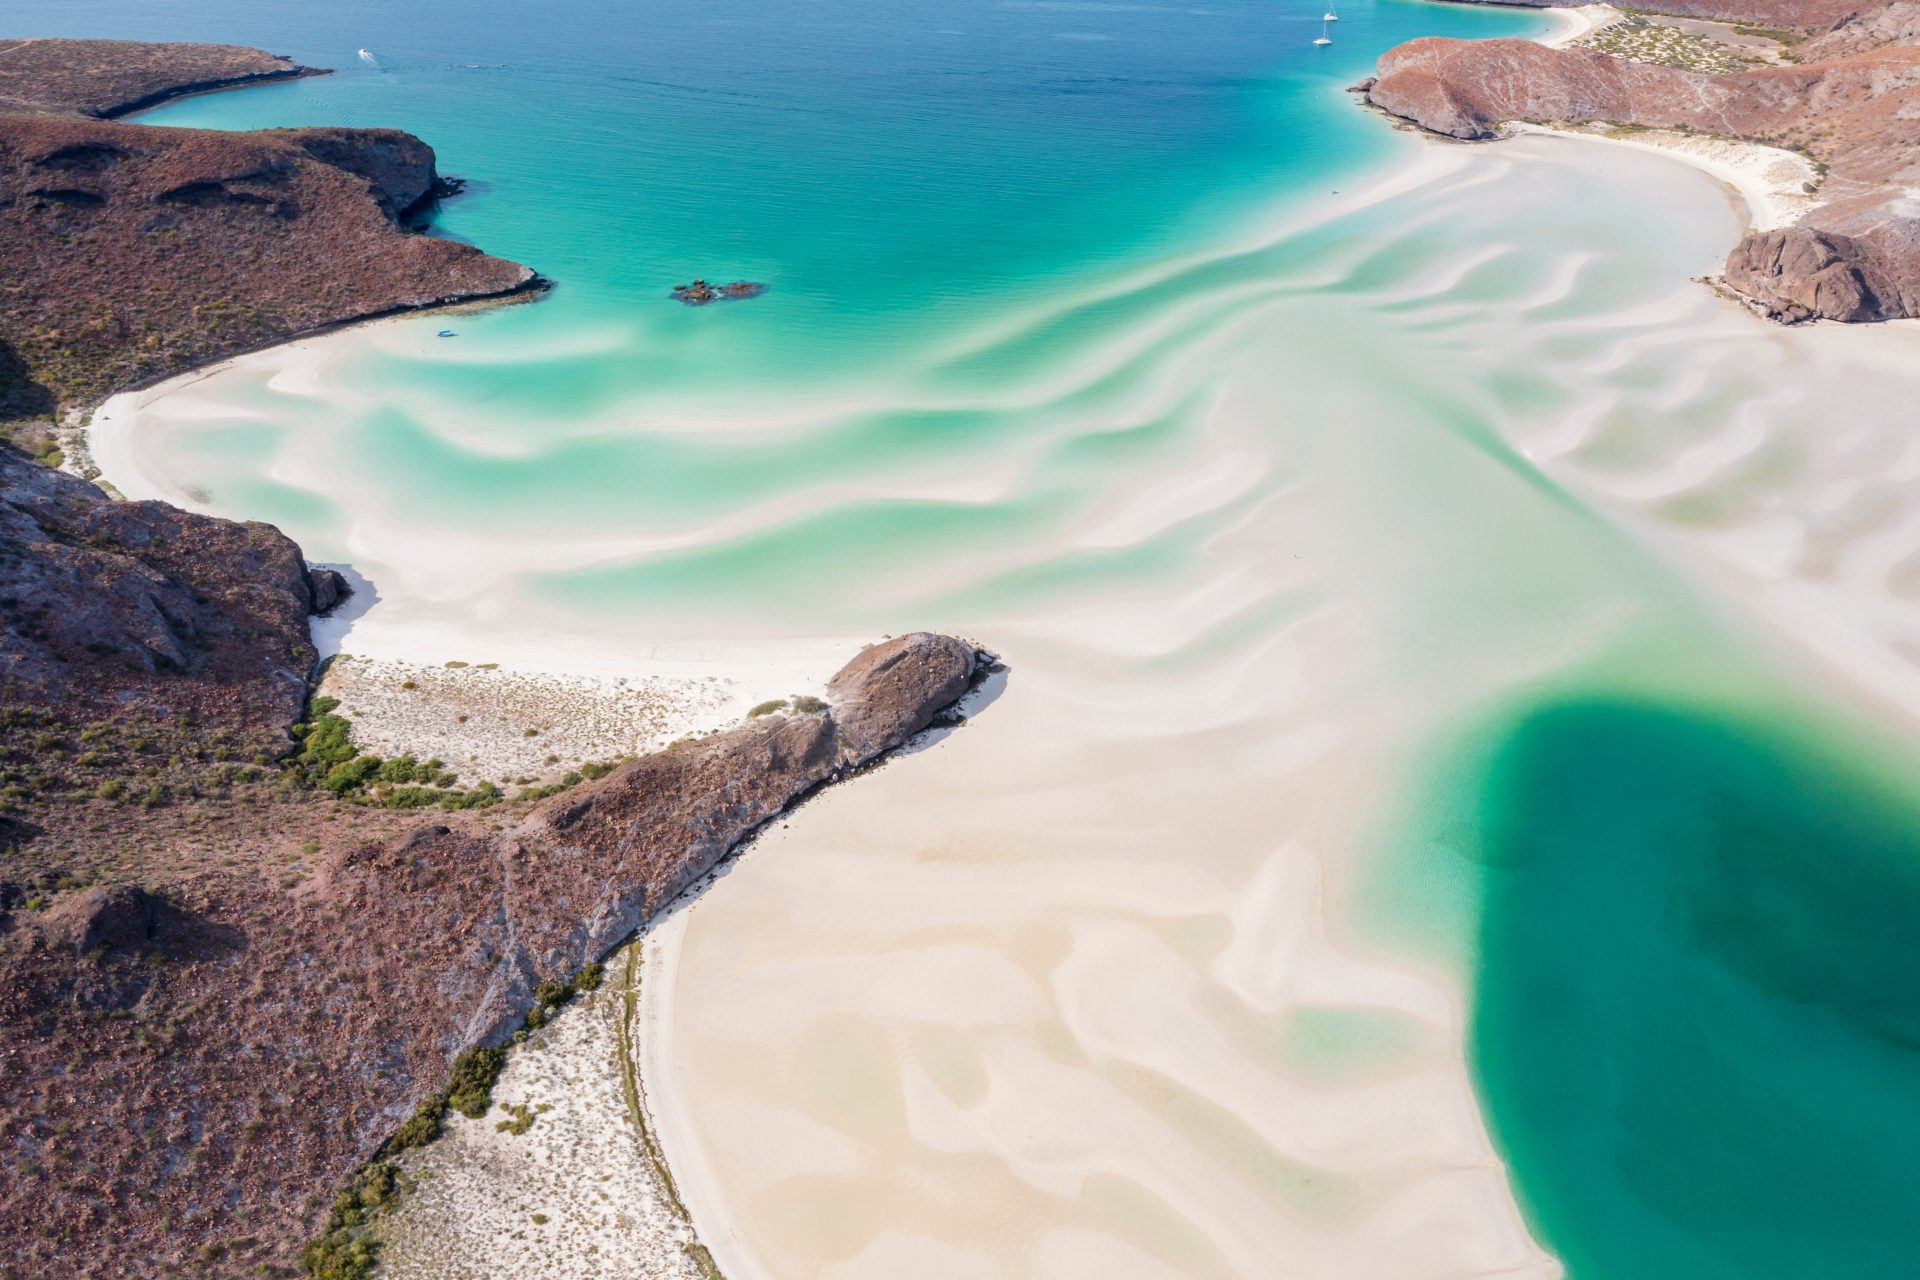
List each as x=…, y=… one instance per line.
x=1682, y=892
x=1694, y=1028
x=889, y=169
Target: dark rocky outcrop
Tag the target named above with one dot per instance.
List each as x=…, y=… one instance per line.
x=121, y=917
x=1853, y=105
x=398, y=167
x=330, y=589
x=112, y=605
x=895, y=689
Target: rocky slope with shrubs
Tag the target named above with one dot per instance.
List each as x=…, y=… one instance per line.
x=238, y=957
x=1850, y=102
x=204, y=1048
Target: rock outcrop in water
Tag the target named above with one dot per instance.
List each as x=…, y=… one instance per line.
x=135, y=251
x=1852, y=104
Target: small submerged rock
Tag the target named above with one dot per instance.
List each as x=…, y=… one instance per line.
x=700, y=293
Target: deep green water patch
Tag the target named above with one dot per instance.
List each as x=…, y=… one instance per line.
x=1697, y=1025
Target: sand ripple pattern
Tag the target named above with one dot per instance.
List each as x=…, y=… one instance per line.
x=1112, y=982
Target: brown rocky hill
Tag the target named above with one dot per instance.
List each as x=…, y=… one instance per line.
x=116, y=609
x=106, y=78
x=1785, y=15
x=1852, y=104
x=134, y=252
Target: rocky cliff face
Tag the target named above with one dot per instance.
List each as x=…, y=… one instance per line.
x=117, y=609
x=201, y=1060
x=398, y=167
x=1856, y=257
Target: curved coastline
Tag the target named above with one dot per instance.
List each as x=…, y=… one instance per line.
x=720, y=1237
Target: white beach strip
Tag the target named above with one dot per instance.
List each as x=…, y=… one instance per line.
x=1577, y=23
x=1770, y=183
x=670, y=1120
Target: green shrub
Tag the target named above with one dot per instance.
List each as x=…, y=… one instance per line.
x=340, y=1255
x=808, y=705
x=422, y=1127
x=350, y=774
x=767, y=708
x=470, y=1087
x=399, y=769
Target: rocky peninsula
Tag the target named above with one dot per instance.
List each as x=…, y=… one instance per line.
x=134, y=252
x=1847, y=96
x=237, y=959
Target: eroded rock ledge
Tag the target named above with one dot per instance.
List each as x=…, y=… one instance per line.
x=1852, y=104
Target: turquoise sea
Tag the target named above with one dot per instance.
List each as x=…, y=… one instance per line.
x=1070, y=343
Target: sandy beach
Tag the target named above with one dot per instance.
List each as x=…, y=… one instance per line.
x=1102, y=983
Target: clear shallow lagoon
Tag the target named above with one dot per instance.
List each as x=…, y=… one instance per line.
x=1351, y=683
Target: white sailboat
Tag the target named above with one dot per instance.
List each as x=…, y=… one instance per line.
x=1329, y=15
x=1324, y=37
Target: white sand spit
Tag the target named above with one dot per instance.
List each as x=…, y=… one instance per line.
x=1579, y=22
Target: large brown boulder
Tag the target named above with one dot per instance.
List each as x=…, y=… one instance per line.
x=119, y=917
x=1799, y=273
x=893, y=690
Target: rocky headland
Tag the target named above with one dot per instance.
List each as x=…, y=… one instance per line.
x=239, y=957
x=134, y=252
x=1847, y=97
